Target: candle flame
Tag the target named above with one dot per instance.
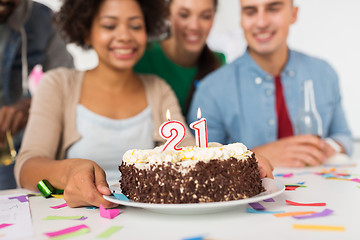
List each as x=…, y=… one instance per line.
x=168, y=117
x=199, y=113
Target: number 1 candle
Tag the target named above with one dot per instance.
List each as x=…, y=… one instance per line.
x=172, y=131
x=200, y=130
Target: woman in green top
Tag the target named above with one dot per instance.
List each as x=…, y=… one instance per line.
x=183, y=57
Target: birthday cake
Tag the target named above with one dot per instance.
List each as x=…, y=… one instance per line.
x=191, y=175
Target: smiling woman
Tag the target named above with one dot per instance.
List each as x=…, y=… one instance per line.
x=184, y=58
x=88, y=119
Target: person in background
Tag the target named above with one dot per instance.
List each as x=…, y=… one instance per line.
x=82, y=122
x=27, y=38
x=256, y=98
x=184, y=57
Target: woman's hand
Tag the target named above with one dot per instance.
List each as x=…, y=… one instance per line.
x=265, y=167
x=85, y=184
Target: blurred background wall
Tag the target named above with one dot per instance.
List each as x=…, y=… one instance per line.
x=329, y=29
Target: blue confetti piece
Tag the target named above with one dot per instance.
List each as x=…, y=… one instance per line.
x=121, y=197
x=194, y=238
x=250, y=210
x=328, y=175
x=303, y=173
x=91, y=207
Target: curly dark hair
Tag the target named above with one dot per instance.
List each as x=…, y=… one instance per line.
x=75, y=18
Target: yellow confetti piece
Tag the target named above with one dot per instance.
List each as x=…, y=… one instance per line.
x=57, y=195
x=319, y=227
x=288, y=214
x=344, y=179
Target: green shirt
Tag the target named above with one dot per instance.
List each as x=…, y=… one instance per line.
x=179, y=78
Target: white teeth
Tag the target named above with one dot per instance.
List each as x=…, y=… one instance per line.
x=193, y=38
x=123, y=51
x=263, y=35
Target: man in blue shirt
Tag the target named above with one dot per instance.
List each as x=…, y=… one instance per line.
x=241, y=101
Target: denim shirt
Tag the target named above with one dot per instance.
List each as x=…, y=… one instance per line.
x=44, y=46
x=238, y=100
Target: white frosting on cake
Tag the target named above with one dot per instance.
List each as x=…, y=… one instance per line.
x=188, y=156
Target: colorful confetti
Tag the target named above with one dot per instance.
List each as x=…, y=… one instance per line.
x=57, y=195
x=109, y=232
x=21, y=198
x=194, y=238
x=250, y=210
x=71, y=235
x=289, y=214
x=109, y=213
x=65, y=218
x=120, y=196
x=269, y=200
x=257, y=206
x=319, y=227
x=304, y=204
x=324, y=213
x=4, y=225
x=66, y=230
x=59, y=206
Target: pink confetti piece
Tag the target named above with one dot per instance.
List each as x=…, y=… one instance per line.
x=356, y=180
x=287, y=175
x=66, y=231
x=108, y=213
x=34, y=78
x=59, y=206
x=343, y=174
x=257, y=206
x=21, y=198
x=304, y=204
x=4, y=225
x=269, y=200
x=324, y=213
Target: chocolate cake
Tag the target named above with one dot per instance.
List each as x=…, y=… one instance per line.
x=192, y=175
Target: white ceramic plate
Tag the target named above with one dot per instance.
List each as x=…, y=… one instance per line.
x=273, y=188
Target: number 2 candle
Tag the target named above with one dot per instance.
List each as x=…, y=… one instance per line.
x=172, y=131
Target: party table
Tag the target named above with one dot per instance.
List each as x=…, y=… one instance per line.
x=336, y=186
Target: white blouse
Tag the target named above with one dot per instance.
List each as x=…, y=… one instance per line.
x=105, y=140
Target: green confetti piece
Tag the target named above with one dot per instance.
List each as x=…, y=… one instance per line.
x=358, y=186
x=110, y=231
x=34, y=194
x=294, y=185
x=63, y=217
x=73, y=234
